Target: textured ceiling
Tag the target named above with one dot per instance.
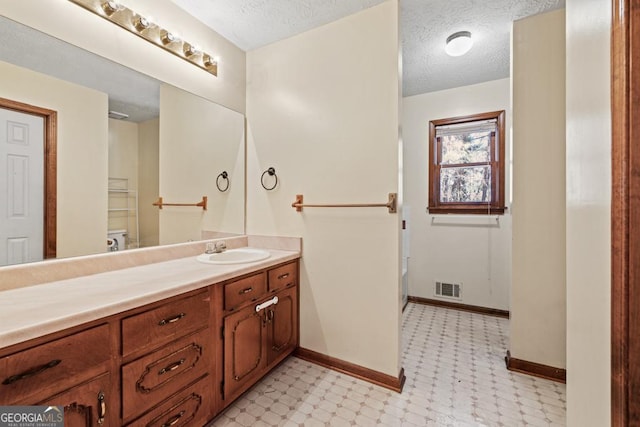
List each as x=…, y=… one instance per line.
x=130, y=92
x=425, y=25
x=250, y=24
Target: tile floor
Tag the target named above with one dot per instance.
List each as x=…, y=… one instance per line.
x=454, y=363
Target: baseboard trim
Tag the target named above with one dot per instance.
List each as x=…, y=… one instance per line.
x=535, y=369
x=464, y=307
x=366, y=374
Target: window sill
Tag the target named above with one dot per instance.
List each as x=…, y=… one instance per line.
x=471, y=210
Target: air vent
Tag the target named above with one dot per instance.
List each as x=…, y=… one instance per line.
x=449, y=290
x=117, y=115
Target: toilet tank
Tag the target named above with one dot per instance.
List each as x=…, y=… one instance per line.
x=116, y=240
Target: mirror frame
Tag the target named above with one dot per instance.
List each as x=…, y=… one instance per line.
x=50, y=118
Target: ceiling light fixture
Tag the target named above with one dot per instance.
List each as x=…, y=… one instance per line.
x=147, y=29
x=458, y=43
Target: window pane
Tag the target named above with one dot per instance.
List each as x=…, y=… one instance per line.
x=465, y=148
x=465, y=184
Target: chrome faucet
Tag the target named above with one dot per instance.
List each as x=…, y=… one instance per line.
x=215, y=247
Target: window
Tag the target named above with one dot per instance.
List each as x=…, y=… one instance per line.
x=466, y=168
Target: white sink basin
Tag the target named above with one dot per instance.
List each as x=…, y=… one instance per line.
x=235, y=256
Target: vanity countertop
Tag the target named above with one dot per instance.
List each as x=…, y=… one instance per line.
x=34, y=311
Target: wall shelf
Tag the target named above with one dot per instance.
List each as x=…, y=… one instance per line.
x=123, y=210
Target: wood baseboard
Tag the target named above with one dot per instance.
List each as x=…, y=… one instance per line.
x=535, y=369
x=366, y=374
x=464, y=307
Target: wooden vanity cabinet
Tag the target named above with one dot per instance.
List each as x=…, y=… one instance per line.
x=173, y=355
x=71, y=371
x=256, y=339
x=176, y=362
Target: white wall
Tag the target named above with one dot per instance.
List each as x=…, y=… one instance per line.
x=538, y=291
x=82, y=154
x=588, y=213
x=323, y=109
x=100, y=36
x=199, y=140
x=473, y=250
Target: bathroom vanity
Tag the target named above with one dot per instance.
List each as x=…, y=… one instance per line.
x=191, y=338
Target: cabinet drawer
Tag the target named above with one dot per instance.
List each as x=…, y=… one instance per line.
x=151, y=379
x=283, y=276
x=55, y=366
x=191, y=406
x=248, y=289
x=161, y=325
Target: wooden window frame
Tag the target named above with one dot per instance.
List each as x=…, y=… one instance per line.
x=497, y=164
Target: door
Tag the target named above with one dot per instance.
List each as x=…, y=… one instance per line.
x=282, y=325
x=86, y=405
x=244, y=350
x=21, y=187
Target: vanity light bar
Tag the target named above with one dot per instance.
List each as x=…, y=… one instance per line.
x=144, y=27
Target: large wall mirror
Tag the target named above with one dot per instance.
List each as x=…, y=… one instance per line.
x=122, y=140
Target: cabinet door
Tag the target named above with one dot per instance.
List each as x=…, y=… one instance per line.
x=244, y=355
x=87, y=404
x=282, y=325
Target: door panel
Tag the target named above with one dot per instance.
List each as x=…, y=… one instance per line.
x=21, y=187
x=244, y=344
x=282, y=325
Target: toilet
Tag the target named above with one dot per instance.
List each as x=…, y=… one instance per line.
x=116, y=240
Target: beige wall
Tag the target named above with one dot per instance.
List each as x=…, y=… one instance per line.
x=199, y=140
x=588, y=213
x=123, y=165
x=106, y=39
x=472, y=250
x=148, y=181
x=82, y=154
x=323, y=110
x=538, y=293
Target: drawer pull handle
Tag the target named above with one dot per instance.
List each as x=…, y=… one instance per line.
x=102, y=408
x=31, y=372
x=283, y=276
x=171, y=367
x=246, y=290
x=173, y=319
x=171, y=421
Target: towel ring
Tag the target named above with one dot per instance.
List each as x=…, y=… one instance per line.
x=271, y=172
x=224, y=175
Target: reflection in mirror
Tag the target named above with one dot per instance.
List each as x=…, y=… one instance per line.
x=123, y=140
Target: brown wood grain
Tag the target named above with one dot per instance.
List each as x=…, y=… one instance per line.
x=625, y=211
x=457, y=306
x=379, y=378
x=497, y=206
x=535, y=369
